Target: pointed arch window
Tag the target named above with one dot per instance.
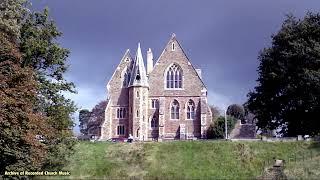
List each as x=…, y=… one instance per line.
x=190, y=110
x=175, y=109
x=174, y=77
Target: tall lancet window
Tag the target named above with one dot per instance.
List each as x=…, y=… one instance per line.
x=190, y=109
x=174, y=77
x=175, y=109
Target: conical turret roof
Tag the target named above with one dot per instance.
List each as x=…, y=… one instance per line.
x=138, y=73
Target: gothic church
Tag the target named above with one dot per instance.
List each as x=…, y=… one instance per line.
x=166, y=100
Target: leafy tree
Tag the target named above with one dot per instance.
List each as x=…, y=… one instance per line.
x=236, y=111
x=84, y=116
x=43, y=54
x=215, y=112
x=38, y=69
x=11, y=16
x=97, y=117
x=288, y=92
x=216, y=130
x=20, y=124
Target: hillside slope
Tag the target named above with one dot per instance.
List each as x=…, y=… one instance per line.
x=197, y=159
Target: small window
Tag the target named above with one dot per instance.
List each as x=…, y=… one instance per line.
x=173, y=46
x=154, y=104
x=138, y=94
x=121, y=113
x=120, y=130
x=137, y=113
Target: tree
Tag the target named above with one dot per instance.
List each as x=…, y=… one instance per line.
x=216, y=129
x=44, y=55
x=21, y=127
x=97, y=117
x=84, y=116
x=19, y=124
x=215, y=112
x=236, y=111
x=11, y=16
x=287, y=96
x=42, y=63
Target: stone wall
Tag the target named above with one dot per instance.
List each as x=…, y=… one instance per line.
x=193, y=89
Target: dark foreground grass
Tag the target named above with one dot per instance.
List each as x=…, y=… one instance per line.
x=184, y=160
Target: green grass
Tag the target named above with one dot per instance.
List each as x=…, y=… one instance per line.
x=196, y=159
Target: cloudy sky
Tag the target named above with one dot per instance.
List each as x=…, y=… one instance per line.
x=223, y=38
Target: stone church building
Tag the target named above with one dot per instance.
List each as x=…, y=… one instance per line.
x=166, y=100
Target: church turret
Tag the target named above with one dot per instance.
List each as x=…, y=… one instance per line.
x=138, y=99
x=138, y=75
x=149, y=61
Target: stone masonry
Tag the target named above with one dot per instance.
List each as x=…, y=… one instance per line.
x=143, y=103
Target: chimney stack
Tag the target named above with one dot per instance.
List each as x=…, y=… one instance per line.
x=149, y=61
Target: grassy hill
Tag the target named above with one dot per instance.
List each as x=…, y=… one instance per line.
x=197, y=159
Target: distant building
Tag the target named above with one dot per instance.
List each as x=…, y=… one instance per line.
x=168, y=100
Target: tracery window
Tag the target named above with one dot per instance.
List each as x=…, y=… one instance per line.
x=174, y=77
x=175, y=109
x=190, y=109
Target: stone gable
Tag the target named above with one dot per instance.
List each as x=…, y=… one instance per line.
x=192, y=83
x=192, y=89
x=118, y=94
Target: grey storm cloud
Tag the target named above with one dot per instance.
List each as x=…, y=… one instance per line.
x=223, y=38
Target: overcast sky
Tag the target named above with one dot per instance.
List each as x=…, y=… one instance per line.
x=223, y=38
